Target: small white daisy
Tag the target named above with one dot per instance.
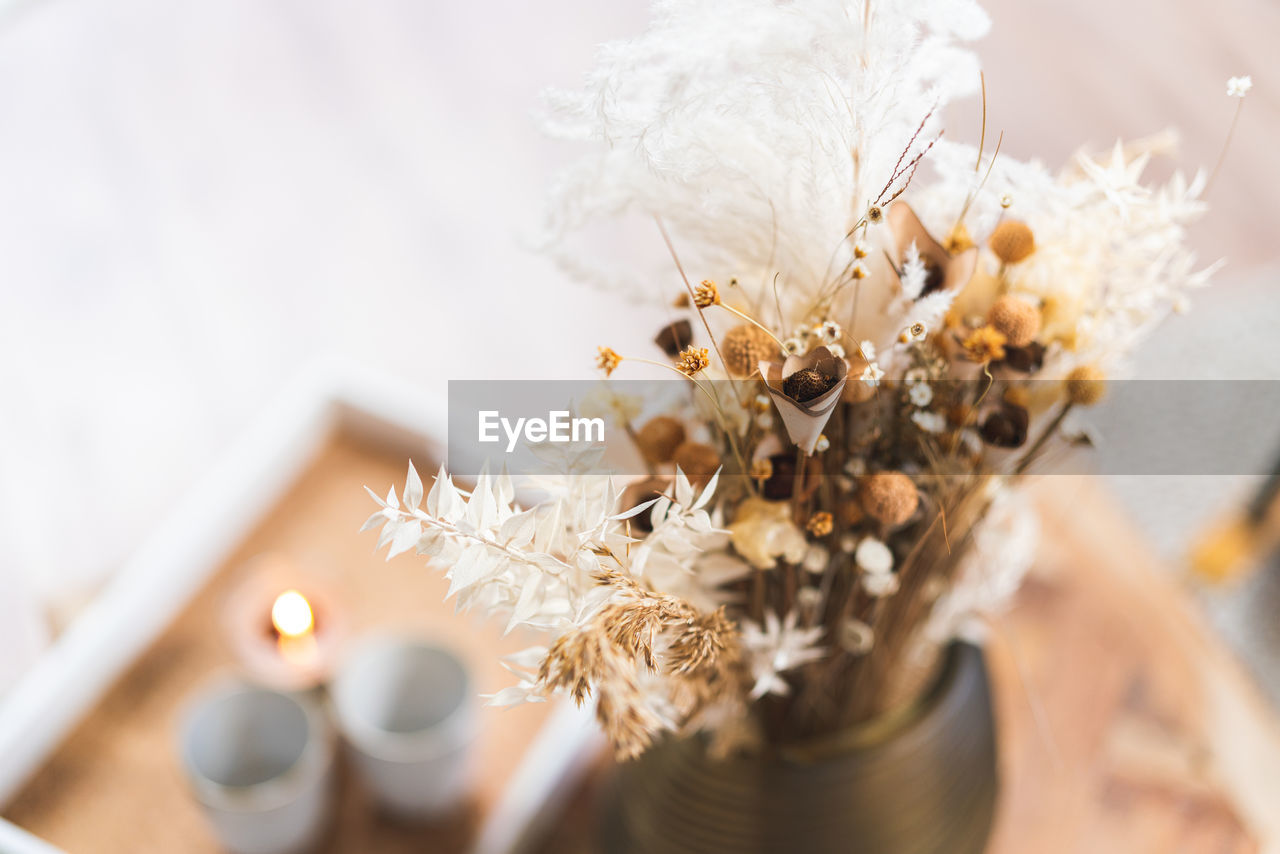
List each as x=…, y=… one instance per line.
x=921, y=394
x=871, y=375
x=880, y=584
x=830, y=332
x=868, y=351
x=793, y=347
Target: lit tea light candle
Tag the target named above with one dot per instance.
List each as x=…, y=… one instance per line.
x=282, y=626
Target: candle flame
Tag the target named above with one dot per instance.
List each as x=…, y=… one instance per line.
x=291, y=615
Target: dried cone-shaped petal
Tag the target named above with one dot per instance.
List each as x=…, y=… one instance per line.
x=805, y=419
x=1016, y=319
x=1012, y=241
x=947, y=271
x=889, y=497
x=745, y=347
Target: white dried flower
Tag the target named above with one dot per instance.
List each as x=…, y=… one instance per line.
x=873, y=556
x=830, y=332
x=793, y=347
x=822, y=444
x=867, y=350
x=816, y=559
x=836, y=350
x=929, y=422
x=915, y=375
x=879, y=585
x=921, y=394
x=1238, y=87
x=777, y=647
x=872, y=374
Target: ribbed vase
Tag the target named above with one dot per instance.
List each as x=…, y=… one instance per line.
x=922, y=781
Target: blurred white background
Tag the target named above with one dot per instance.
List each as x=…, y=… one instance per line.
x=199, y=198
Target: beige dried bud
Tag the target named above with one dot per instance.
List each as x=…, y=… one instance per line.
x=692, y=360
x=660, y=437
x=607, y=360
x=820, y=524
x=889, y=497
x=698, y=461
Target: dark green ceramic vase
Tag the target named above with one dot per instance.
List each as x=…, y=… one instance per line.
x=920, y=782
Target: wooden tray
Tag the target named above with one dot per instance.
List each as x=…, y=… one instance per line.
x=113, y=783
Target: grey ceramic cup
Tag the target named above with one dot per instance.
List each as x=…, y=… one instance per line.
x=407, y=711
x=260, y=762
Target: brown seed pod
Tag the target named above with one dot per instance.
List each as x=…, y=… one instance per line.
x=1012, y=241
x=659, y=439
x=1086, y=385
x=1006, y=427
x=889, y=497
x=698, y=461
x=1016, y=319
x=674, y=337
x=745, y=347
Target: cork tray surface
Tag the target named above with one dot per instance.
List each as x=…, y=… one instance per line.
x=115, y=784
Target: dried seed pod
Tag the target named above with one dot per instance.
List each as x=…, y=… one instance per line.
x=638, y=493
x=889, y=497
x=1016, y=319
x=660, y=437
x=1006, y=427
x=698, y=461
x=1012, y=241
x=674, y=337
x=745, y=347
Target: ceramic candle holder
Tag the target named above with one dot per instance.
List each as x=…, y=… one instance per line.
x=407, y=711
x=260, y=763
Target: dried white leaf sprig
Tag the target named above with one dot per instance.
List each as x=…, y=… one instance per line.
x=569, y=567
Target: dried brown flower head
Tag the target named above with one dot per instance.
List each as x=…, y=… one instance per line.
x=804, y=419
x=607, y=360
x=745, y=347
x=820, y=524
x=1012, y=241
x=706, y=294
x=1086, y=385
x=985, y=344
x=692, y=360
x=674, y=337
x=889, y=497
x=875, y=214
x=698, y=461
x=1016, y=319
x=660, y=437
x=806, y=384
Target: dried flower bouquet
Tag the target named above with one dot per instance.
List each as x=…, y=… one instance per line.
x=891, y=324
